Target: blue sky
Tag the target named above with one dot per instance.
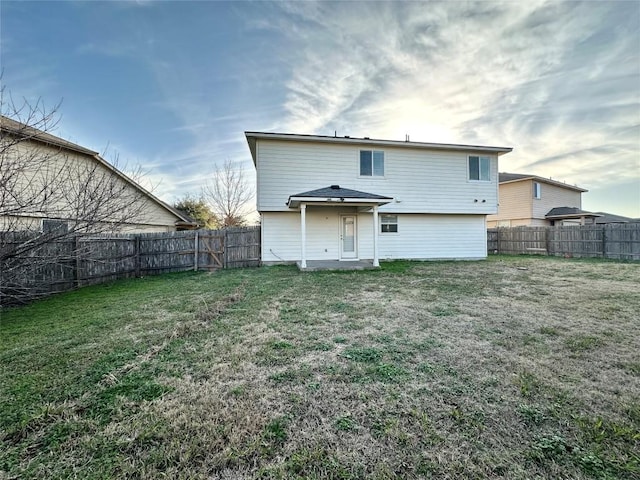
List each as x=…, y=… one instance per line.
x=172, y=86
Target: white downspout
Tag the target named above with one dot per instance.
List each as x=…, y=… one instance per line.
x=376, y=263
x=303, y=234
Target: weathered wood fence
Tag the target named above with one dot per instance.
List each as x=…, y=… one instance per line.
x=615, y=241
x=72, y=262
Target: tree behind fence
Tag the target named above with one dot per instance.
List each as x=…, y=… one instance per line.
x=72, y=262
x=614, y=241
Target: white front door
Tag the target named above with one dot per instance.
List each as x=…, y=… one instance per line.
x=348, y=240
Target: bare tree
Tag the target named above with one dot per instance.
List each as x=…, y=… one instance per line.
x=51, y=191
x=228, y=194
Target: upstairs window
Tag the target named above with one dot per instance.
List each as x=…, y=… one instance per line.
x=479, y=168
x=371, y=163
x=537, y=190
x=388, y=223
x=54, y=226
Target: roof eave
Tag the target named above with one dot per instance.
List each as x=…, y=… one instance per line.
x=572, y=215
x=252, y=137
x=294, y=202
x=548, y=182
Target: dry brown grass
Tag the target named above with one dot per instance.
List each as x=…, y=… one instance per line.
x=511, y=368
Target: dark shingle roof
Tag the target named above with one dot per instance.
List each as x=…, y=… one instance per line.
x=566, y=211
x=510, y=177
x=335, y=191
x=611, y=218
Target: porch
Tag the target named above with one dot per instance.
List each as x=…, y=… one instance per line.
x=337, y=197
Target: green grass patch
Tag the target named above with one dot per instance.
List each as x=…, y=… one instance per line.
x=583, y=343
x=416, y=370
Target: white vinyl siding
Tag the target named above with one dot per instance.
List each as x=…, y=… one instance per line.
x=420, y=181
x=425, y=237
x=421, y=236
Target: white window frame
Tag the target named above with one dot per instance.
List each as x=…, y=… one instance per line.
x=537, y=190
x=486, y=170
x=388, y=219
x=373, y=174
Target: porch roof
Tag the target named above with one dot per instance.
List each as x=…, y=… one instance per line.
x=336, y=195
x=559, y=213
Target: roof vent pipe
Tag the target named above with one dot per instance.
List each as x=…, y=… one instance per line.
x=335, y=187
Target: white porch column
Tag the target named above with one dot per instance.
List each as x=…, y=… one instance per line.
x=303, y=234
x=376, y=263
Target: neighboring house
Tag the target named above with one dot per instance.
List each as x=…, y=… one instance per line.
x=611, y=218
x=530, y=200
x=43, y=160
x=342, y=198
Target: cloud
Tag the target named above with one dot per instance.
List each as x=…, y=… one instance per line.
x=559, y=81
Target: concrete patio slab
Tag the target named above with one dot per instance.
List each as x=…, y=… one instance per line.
x=316, y=265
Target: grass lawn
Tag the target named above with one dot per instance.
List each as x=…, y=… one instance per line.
x=515, y=368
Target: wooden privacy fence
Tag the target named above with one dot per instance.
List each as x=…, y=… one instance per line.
x=70, y=262
x=615, y=241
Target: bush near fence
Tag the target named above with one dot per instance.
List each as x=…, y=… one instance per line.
x=77, y=261
x=614, y=241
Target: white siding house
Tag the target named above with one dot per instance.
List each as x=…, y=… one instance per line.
x=341, y=198
x=47, y=180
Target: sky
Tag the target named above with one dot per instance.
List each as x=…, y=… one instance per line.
x=171, y=86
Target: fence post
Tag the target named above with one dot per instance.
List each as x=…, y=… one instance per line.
x=547, y=241
x=604, y=240
x=196, y=252
x=77, y=263
x=136, y=252
x=225, y=240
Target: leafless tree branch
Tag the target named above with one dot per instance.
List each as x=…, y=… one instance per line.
x=228, y=194
x=49, y=194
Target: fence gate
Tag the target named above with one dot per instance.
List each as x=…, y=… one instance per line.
x=210, y=250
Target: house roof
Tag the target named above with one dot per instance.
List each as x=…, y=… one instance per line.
x=505, y=177
x=611, y=218
x=335, y=194
x=568, y=212
x=252, y=137
x=12, y=127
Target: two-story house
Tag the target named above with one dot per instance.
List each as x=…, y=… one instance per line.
x=530, y=200
x=49, y=183
x=341, y=198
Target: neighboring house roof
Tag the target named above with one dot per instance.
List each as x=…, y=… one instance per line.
x=337, y=194
x=505, y=177
x=568, y=212
x=13, y=127
x=611, y=218
x=253, y=136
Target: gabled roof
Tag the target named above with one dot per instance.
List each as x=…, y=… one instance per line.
x=252, y=137
x=611, y=218
x=337, y=194
x=12, y=127
x=569, y=212
x=517, y=177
